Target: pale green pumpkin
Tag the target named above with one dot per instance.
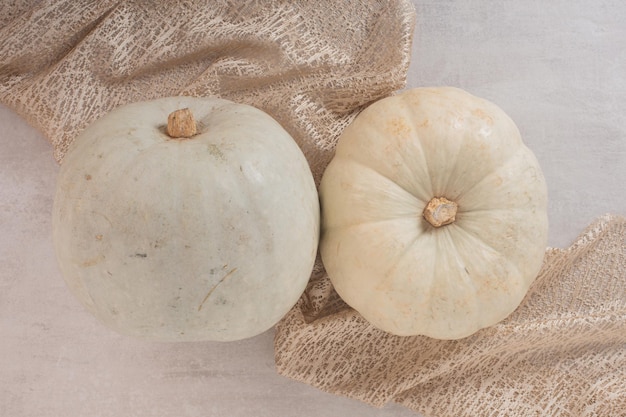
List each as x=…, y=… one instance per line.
x=207, y=237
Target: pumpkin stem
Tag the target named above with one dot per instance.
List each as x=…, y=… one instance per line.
x=440, y=211
x=181, y=124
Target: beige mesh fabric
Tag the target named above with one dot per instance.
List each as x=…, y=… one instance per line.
x=561, y=353
x=314, y=65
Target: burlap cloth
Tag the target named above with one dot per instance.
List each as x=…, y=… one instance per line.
x=313, y=66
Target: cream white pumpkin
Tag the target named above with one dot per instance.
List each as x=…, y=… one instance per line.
x=433, y=214
x=208, y=237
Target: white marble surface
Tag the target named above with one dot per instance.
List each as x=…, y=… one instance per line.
x=558, y=68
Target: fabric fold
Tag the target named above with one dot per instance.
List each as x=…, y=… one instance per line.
x=311, y=65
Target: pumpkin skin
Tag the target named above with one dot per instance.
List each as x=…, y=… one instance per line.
x=386, y=260
x=211, y=237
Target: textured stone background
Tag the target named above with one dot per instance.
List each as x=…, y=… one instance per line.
x=558, y=68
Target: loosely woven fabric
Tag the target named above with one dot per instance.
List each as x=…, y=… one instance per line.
x=313, y=65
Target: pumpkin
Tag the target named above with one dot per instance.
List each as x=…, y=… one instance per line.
x=203, y=227
x=434, y=217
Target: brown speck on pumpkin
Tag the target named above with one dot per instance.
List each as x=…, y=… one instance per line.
x=482, y=114
x=398, y=127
